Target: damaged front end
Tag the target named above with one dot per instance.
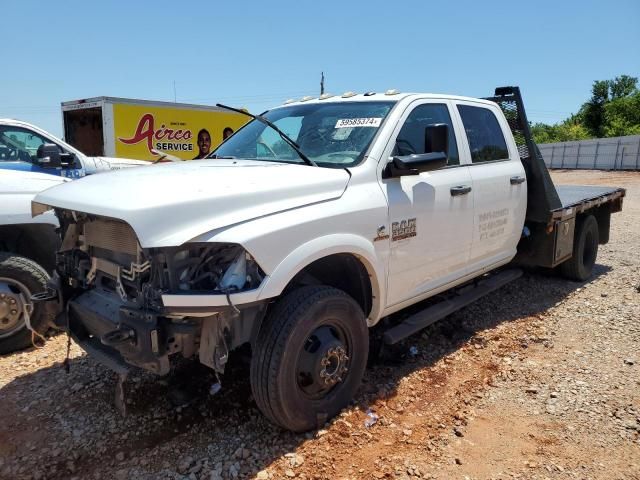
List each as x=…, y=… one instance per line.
x=126, y=305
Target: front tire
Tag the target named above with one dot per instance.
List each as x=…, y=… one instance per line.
x=585, y=250
x=309, y=358
x=19, y=278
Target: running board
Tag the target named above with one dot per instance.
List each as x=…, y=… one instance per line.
x=432, y=314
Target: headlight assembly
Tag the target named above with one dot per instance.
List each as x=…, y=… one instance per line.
x=213, y=268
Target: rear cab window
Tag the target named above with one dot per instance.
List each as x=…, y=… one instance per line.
x=485, y=137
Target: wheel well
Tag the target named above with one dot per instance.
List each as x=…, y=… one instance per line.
x=343, y=271
x=38, y=242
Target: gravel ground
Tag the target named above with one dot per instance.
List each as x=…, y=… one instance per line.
x=539, y=380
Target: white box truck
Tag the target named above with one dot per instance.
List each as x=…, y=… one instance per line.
x=146, y=130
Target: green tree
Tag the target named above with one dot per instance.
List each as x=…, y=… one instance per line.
x=612, y=111
x=603, y=92
x=623, y=86
x=543, y=133
x=572, y=131
x=562, y=132
x=622, y=116
x=592, y=112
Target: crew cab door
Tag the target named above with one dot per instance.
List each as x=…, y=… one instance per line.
x=499, y=184
x=430, y=214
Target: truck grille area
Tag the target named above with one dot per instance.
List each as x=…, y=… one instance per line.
x=104, y=254
x=111, y=235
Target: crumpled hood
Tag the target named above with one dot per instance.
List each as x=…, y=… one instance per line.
x=169, y=204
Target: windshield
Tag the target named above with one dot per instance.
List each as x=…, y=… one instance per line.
x=330, y=134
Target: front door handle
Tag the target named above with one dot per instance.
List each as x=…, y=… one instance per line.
x=460, y=190
x=517, y=180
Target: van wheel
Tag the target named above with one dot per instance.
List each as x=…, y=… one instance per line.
x=585, y=250
x=19, y=278
x=309, y=358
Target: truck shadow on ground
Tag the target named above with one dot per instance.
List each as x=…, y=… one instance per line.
x=212, y=432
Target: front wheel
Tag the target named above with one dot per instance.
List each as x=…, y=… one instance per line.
x=20, y=277
x=309, y=358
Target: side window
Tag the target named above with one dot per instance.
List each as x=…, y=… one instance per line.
x=411, y=138
x=486, y=140
x=19, y=144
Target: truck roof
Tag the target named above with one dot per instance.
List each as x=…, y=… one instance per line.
x=390, y=95
x=97, y=101
x=13, y=121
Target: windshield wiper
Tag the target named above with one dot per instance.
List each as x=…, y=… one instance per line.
x=269, y=123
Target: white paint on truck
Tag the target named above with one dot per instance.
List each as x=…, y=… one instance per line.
x=287, y=216
x=351, y=209
x=17, y=190
x=20, y=157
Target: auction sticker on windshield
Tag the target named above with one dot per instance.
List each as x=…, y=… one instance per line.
x=358, y=122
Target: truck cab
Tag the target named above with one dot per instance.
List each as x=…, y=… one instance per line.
x=468, y=213
x=27, y=148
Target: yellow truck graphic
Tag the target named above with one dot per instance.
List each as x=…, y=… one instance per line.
x=146, y=130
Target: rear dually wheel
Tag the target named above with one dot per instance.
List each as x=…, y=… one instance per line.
x=585, y=251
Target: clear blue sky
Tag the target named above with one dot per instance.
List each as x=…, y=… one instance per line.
x=257, y=54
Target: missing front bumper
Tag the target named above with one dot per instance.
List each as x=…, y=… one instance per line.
x=117, y=335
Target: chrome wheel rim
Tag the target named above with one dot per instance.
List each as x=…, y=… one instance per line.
x=13, y=305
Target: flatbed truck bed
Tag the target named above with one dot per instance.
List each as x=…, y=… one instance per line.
x=584, y=197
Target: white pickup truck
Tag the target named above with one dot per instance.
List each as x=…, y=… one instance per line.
x=27, y=256
x=25, y=147
x=32, y=160
x=308, y=226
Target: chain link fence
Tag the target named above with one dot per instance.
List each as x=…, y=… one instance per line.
x=616, y=153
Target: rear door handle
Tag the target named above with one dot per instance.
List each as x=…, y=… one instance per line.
x=460, y=190
x=517, y=180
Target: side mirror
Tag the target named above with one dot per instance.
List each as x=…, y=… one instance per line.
x=415, y=164
x=436, y=147
x=49, y=156
x=436, y=138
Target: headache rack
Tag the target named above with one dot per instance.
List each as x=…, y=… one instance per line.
x=550, y=222
x=542, y=196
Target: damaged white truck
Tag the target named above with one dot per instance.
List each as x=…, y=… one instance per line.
x=308, y=226
x=27, y=256
x=32, y=160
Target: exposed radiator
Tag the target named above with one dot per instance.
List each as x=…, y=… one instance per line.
x=111, y=235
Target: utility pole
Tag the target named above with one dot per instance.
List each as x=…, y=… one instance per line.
x=174, y=92
x=322, y=84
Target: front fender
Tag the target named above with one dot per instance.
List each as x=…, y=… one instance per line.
x=321, y=247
